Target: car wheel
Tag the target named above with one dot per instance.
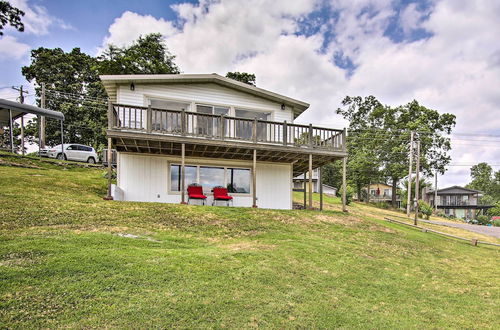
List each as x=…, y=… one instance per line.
x=91, y=160
x=61, y=156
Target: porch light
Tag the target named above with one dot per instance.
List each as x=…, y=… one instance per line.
x=132, y=87
x=282, y=106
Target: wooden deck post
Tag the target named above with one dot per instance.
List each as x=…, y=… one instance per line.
x=183, y=173
x=254, y=179
x=310, y=135
x=344, y=184
x=320, y=182
x=305, y=190
x=110, y=167
x=285, y=133
x=149, y=119
x=109, y=151
x=310, y=181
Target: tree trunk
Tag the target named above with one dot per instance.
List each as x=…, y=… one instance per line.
x=358, y=187
x=394, y=191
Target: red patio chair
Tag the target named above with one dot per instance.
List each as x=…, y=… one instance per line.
x=195, y=191
x=220, y=194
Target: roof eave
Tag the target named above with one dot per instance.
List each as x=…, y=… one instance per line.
x=110, y=83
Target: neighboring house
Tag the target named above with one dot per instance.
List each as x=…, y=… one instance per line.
x=459, y=202
x=212, y=131
x=298, y=183
x=380, y=193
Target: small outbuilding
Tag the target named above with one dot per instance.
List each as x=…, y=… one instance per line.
x=10, y=111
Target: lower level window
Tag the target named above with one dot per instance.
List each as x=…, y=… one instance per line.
x=190, y=176
x=237, y=180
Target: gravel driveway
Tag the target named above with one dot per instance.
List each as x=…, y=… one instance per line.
x=490, y=231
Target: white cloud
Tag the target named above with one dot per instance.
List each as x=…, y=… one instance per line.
x=11, y=48
x=37, y=20
x=129, y=26
x=456, y=69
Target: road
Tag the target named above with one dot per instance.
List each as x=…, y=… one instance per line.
x=485, y=230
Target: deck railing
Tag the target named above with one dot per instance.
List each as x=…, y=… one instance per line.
x=222, y=127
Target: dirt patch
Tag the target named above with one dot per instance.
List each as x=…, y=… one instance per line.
x=345, y=220
x=13, y=164
x=248, y=246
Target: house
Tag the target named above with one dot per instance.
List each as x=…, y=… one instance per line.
x=380, y=193
x=173, y=130
x=458, y=202
x=299, y=184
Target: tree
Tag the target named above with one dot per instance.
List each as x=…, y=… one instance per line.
x=10, y=15
x=422, y=185
x=244, y=77
x=481, y=175
x=386, y=131
x=74, y=88
x=147, y=55
x=487, y=181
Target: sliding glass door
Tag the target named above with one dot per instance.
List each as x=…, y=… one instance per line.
x=244, y=128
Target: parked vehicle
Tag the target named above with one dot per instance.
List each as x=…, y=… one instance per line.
x=76, y=152
x=44, y=152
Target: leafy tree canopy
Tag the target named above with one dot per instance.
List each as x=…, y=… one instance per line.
x=10, y=15
x=244, y=77
x=487, y=181
x=380, y=134
x=147, y=55
x=74, y=88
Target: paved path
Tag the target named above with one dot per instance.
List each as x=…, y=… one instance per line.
x=485, y=230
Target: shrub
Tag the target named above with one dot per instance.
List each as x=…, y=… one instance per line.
x=425, y=209
x=349, y=193
x=483, y=220
x=496, y=223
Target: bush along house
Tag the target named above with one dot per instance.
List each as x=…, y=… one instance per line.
x=176, y=131
x=457, y=202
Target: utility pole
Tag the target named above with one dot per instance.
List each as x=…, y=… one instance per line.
x=21, y=100
x=408, y=202
x=436, y=191
x=417, y=182
x=42, y=118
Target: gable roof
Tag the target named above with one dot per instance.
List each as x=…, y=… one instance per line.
x=111, y=81
x=455, y=190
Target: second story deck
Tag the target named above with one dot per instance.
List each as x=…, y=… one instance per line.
x=152, y=130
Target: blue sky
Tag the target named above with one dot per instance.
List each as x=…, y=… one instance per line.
x=444, y=53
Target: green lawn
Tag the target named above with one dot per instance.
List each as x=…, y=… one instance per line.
x=68, y=259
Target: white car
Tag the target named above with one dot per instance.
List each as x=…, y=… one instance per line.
x=77, y=152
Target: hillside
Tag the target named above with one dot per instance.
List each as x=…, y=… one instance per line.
x=70, y=259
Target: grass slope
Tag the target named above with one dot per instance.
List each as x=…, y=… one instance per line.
x=70, y=259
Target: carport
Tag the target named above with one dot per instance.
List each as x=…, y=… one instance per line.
x=10, y=111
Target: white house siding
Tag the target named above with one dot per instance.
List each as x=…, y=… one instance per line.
x=145, y=178
x=208, y=93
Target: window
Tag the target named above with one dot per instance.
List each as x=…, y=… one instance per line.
x=237, y=180
x=211, y=177
x=244, y=128
x=373, y=192
x=207, y=125
x=190, y=173
x=169, y=121
x=387, y=192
